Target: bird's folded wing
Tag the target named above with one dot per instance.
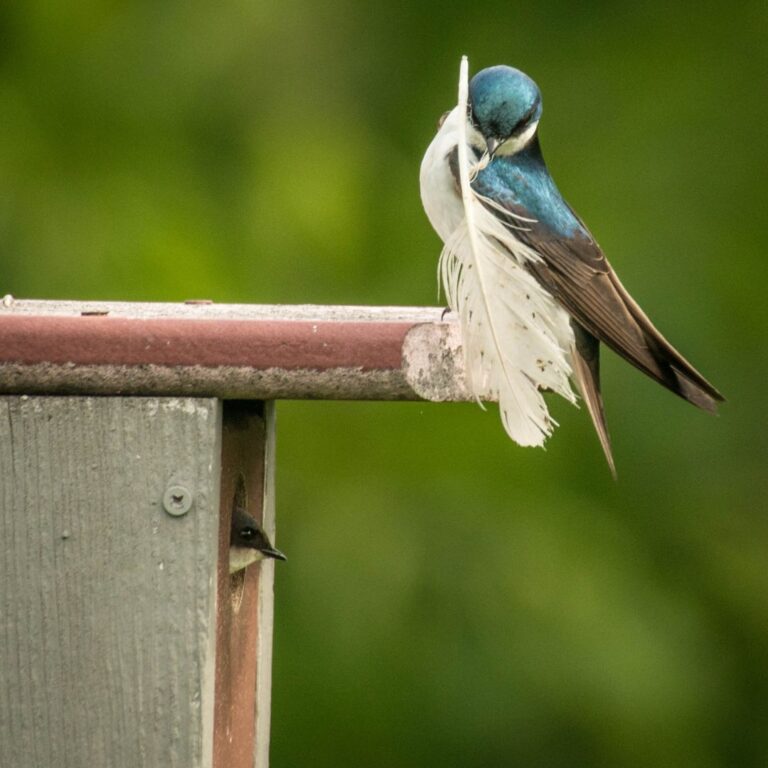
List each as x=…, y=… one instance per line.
x=576, y=272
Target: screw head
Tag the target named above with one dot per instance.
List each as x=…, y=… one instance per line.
x=177, y=500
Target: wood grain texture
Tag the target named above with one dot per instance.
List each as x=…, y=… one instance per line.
x=266, y=600
x=107, y=623
x=245, y=598
x=210, y=311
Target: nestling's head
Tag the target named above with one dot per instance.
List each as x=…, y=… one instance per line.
x=504, y=108
x=247, y=533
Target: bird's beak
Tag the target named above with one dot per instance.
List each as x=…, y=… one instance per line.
x=272, y=552
x=493, y=145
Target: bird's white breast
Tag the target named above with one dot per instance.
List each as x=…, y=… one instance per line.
x=439, y=194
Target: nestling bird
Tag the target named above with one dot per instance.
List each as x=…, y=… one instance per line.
x=533, y=290
x=248, y=542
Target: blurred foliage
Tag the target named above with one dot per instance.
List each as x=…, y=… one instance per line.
x=450, y=599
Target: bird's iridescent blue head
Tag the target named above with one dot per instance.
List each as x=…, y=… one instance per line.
x=504, y=104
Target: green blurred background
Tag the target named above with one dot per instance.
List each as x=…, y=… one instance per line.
x=450, y=599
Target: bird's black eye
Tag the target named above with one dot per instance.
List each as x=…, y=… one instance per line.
x=523, y=121
x=247, y=532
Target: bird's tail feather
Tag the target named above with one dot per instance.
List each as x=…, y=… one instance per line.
x=586, y=369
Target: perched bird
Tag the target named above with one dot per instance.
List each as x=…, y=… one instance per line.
x=248, y=542
x=533, y=290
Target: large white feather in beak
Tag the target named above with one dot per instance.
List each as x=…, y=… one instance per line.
x=516, y=339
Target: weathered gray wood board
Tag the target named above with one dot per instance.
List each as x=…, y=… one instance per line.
x=107, y=603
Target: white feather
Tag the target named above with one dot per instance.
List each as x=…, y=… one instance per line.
x=516, y=338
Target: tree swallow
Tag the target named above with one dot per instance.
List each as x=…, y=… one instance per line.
x=534, y=293
x=248, y=542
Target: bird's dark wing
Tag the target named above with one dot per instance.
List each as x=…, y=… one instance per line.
x=578, y=275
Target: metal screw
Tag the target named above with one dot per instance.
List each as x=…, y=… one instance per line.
x=177, y=500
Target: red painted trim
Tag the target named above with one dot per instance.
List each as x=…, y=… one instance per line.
x=259, y=344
